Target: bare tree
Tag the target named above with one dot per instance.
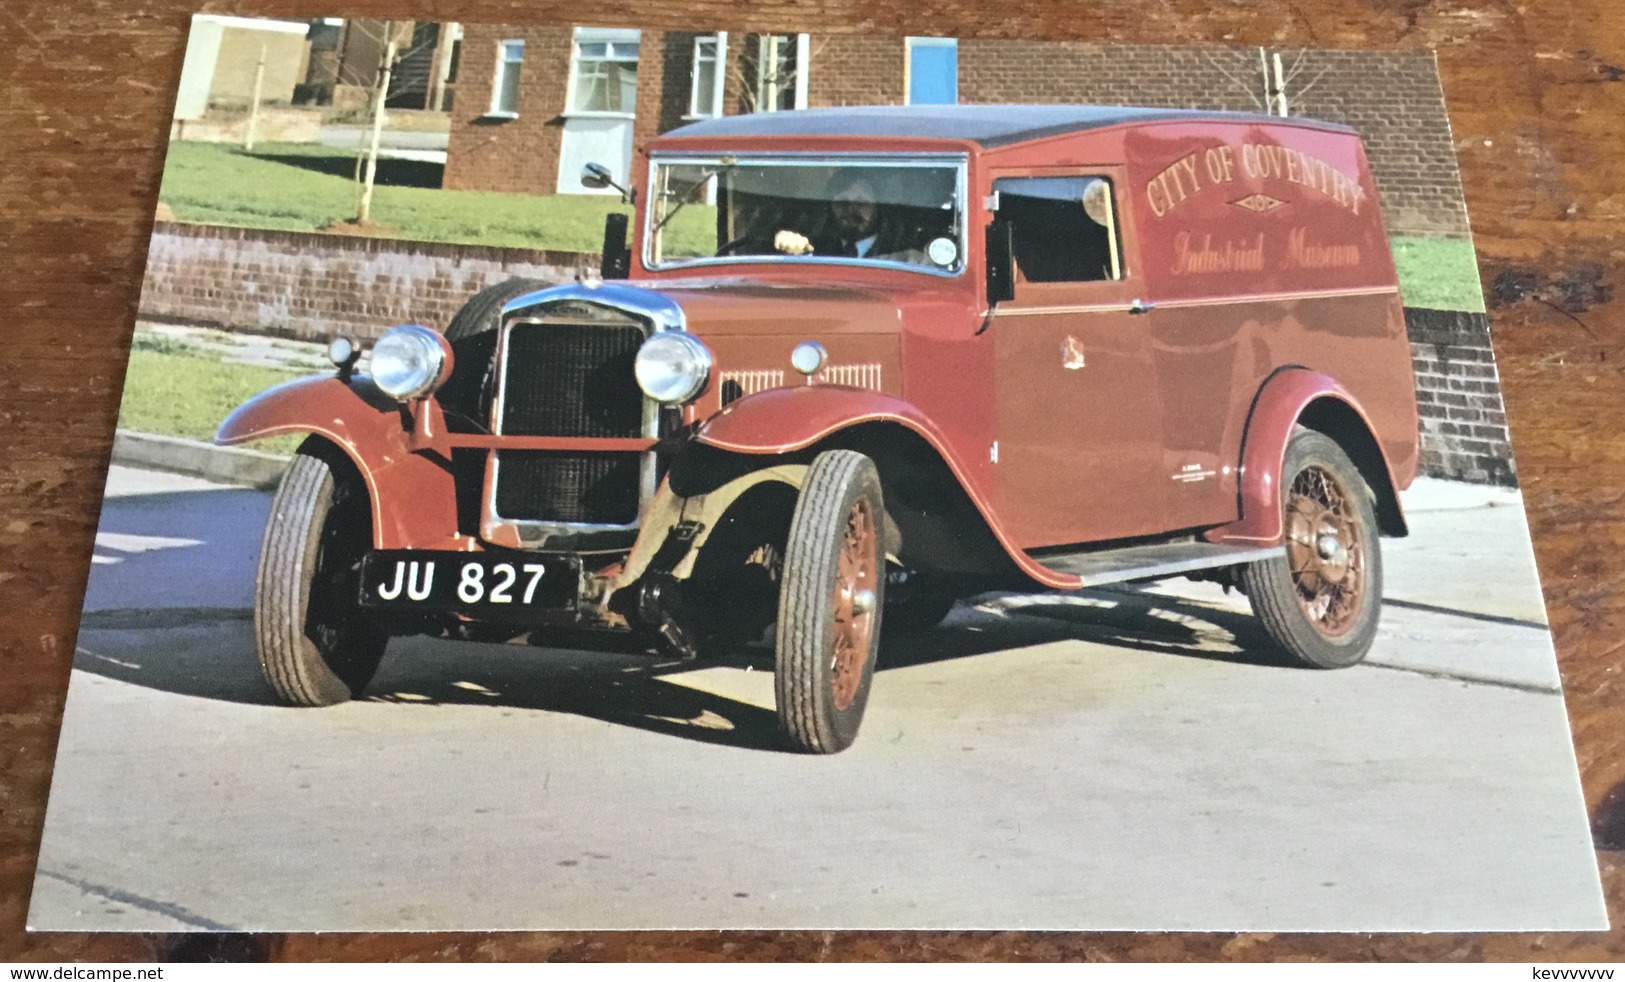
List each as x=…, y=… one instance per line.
x=409, y=43
x=1271, y=88
x=385, y=83
x=1248, y=87
x=762, y=83
x=1284, y=82
x=370, y=171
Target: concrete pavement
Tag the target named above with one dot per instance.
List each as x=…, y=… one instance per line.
x=428, y=146
x=1107, y=759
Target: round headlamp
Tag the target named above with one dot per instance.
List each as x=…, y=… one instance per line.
x=672, y=367
x=410, y=361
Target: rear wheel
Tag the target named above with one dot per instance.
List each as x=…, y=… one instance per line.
x=829, y=603
x=1320, y=600
x=316, y=646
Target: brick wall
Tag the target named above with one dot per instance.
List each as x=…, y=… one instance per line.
x=855, y=70
x=665, y=63
x=1392, y=98
x=311, y=286
x=1458, y=395
x=516, y=155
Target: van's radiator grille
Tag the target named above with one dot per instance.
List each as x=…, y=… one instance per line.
x=572, y=380
x=553, y=486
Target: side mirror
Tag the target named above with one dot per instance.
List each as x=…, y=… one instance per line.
x=1001, y=262
x=616, y=263
x=598, y=177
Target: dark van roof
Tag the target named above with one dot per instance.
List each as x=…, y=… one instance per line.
x=990, y=126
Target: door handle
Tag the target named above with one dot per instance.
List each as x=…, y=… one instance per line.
x=1141, y=307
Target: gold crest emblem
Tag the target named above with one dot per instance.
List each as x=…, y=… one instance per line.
x=1259, y=202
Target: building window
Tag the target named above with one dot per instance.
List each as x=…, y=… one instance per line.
x=933, y=71
x=505, y=89
x=710, y=64
x=604, y=73
x=781, y=72
x=1064, y=229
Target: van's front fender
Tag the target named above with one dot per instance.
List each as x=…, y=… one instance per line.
x=414, y=499
x=796, y=417
x=786, y=420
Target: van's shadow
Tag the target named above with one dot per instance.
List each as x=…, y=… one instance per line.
x=1123, y=616
x=209, y=653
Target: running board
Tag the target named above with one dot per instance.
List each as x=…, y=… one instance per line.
x=1151, y=562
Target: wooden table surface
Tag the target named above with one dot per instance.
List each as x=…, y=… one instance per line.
x=1536, y=91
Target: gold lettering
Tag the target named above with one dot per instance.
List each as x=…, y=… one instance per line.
x=1272, y=160
x=1227, y=158
x=1159, y=206
x=1231, y=256
x=1174, y=185
x=1188, y=164
x=1301, y=253
x=1261, y=161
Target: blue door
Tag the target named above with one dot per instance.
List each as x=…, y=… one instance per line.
x=933, y=71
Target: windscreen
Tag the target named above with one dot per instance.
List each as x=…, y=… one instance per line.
x=894, y=212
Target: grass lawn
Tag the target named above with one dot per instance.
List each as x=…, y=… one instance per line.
x=305, y=187
x=174, y=389
x=1438, y=273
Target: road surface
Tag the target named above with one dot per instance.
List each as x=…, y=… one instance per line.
x=1112, y=759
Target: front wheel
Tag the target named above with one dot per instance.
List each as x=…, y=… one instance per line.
x=316, y=646
x=830, y=601
x=1320, y=600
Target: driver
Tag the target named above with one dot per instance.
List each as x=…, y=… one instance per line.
x=859, y=226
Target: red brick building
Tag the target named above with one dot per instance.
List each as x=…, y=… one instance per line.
x=535, y=103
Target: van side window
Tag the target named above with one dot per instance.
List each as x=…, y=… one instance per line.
x=1064, y=228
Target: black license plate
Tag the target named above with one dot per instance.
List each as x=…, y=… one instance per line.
x=494, y=587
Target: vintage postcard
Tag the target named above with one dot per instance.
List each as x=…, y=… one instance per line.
x=583, y=477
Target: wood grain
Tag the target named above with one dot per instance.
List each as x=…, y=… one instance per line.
x=1536, y=92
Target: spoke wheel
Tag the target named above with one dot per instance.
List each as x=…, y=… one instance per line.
x=854, y=603
x=1325, y=548
x=1319, y=601
x=829, y=604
